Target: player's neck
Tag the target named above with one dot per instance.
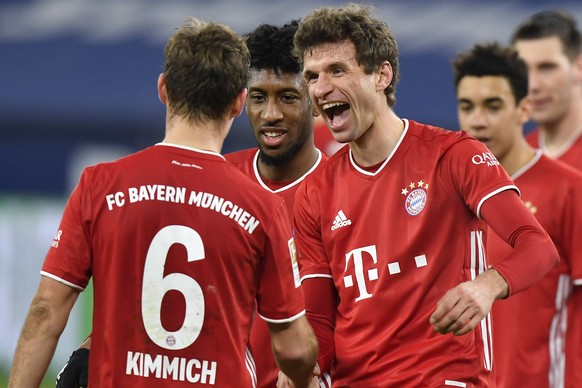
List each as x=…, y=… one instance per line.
x=557, y=134
x=378, y=142
x=301, y=163
x=208, y=136
x=517, y=157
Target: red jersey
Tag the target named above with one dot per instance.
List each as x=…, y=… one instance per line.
x=180, y=244
x=260, y=337
x=394, y=241
x=548, y=353
x=571, y=152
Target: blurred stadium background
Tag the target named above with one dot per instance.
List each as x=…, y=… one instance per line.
x=78, y=86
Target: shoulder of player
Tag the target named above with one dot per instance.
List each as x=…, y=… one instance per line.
x=242, y=156
x=560, y=171
x=327, y=165
x=437, y=136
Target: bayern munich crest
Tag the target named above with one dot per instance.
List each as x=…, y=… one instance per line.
x=416, y=197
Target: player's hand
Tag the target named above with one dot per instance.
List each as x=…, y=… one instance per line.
x=75, y=373
x=464, y=306
x=284, y=382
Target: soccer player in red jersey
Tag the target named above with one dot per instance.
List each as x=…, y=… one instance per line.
x=391, y=230
x=529, y=329
x=282, y=118
x=551, y=45
x=178, y=257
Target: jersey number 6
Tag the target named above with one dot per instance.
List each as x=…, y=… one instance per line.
x=155, y=285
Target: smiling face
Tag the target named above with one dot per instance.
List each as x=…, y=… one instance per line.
x=487, y=110
x=348, y=98
x=552, y=76
x=280, y=113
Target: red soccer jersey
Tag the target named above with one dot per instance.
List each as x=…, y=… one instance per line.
x=394, y=242
x=260, y=337
x=530, y=328
x=180, y=244
x=571, y=152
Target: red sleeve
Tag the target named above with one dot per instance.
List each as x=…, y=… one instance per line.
x=321, y=306
x=69, y=257
x=279, y=298
x=533, y=253
x=574, y=338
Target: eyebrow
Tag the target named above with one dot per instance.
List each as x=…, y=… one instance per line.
x=487, y=100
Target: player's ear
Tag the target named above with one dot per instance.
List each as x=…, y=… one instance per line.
x=525, y=108
x=578, y=66
x=162, y=93
x=239, y=103
x=384, y=76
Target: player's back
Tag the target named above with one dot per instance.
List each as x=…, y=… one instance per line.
x=178, y=240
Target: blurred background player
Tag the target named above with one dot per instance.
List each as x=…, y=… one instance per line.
x=150, y=229
x=282, y=117
x=550, y=43
x=395, y=223
x=529, y=329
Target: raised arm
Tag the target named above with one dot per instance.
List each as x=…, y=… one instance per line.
x=46, y=320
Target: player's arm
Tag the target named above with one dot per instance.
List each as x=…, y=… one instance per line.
x=46, y=320
x=533, y=255
x=295, y=349
x=75, y=373
x=320, y=309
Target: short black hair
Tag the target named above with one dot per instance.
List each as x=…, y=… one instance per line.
x=491, y=59
x=271, y=47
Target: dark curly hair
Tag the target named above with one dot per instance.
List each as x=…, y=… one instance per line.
x=271, y=47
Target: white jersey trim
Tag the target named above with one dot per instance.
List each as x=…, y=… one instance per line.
x=528, y=165
x=325, y=381
x=290, y=185
x=558, y=330
x=58, y=279
x=499, y=190
x=251, y=366
x=191, y=149
x=362, y=171
x=577, y=282
x=316, y=275
x=478, y=266
x=284, y=320
x=563, y=149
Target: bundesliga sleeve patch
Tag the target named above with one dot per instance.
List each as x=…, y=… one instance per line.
x=294, y=264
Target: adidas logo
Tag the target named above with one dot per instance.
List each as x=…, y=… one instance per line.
x=340, y=220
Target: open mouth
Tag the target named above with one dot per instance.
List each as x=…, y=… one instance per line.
x=272, y=137
x=336, y=112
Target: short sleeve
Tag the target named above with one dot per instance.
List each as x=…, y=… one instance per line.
x=69, y=257
x=279, y=297
x=475, y=172
x=313, y=260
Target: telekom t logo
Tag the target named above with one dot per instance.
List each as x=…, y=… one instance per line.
x=358, y=258
x=358, y=255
